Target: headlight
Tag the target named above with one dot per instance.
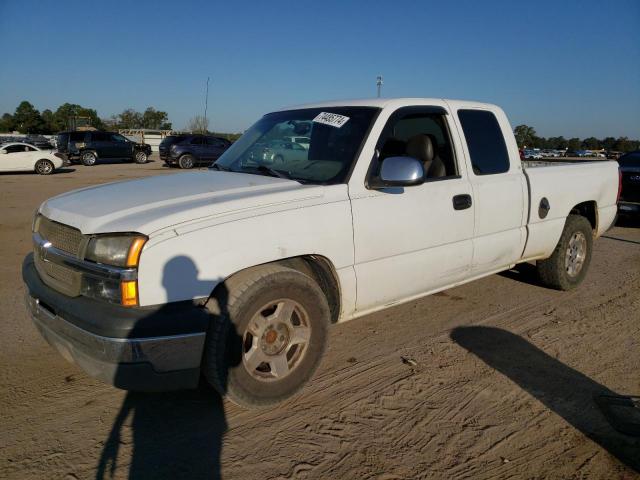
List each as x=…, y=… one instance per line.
x=118, y=251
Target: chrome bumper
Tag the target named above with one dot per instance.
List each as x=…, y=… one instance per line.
x=148, y=364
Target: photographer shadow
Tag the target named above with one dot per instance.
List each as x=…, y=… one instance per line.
x=175, y=434
x=560, y=388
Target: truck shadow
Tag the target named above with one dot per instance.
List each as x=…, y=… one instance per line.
x=172, y=434
x=565, y=391
x=523, y=272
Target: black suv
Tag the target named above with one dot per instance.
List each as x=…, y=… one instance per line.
x=188, y=151
x=89, y=147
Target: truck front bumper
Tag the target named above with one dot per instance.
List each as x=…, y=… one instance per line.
x=148, y=363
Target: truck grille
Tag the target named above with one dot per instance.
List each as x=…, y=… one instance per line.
x=62, y=237
x=63, y=279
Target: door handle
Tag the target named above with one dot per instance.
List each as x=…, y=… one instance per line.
x=462, y=202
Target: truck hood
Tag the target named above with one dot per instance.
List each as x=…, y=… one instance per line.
x=152, y=204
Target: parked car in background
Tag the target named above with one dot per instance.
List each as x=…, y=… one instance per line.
x=614, y=155
x=92, y=146
x=23, y=157
x=532, y=154
x=188, y=151
x=629, y=202
x=302, y=141
x=39, y=141
x=279, y=151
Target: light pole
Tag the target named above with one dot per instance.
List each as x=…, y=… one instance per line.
x=206, y=105
x=379, y=83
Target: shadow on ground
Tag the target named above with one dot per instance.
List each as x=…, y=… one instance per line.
x=525, y=273
x=174, y=434
x=563, y=390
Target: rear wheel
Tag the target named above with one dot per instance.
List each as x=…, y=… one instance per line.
x=141, y=157
x=268, y=338
x=568, y=265
x=89, y=159
x=186, y=161
x=44, y=167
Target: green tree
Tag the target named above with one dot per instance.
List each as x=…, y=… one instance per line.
x=591, y=143
x=65, y=114
x=557, y=143
x=130, y=119
x=525, y=135
x=27, y=119
x=574, y=144
x=623, y=144
x=48, y=122
x=155, y=119
x=7, y=123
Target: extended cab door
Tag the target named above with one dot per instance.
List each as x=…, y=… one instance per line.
x=411, y=240
x=499, y=188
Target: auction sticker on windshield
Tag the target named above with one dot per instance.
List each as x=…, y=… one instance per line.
x=331, y=119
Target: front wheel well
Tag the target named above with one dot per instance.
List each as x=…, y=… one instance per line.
x=317, y=267
x=589, y=210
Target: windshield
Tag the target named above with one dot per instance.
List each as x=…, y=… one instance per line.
x=332, y=138
x=171, y=139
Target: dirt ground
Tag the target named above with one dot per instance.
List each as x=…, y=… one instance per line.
x=497, y=381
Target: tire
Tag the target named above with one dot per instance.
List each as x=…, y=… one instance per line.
x=140, y=157
x=245, y=354
x=89, y=159
x=186, y=161
x=44, y=167
x=566, y=268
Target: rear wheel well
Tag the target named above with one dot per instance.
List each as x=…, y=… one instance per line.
x=318, y=268
x=589, y=210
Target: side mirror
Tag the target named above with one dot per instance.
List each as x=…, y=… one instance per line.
x=398, y=172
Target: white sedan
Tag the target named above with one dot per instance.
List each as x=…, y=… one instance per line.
x=22, y=157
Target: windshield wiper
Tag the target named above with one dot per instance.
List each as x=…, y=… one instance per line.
x=275, y=173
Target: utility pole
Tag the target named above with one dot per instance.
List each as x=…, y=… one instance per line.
x=206, y=105
x=379, y=83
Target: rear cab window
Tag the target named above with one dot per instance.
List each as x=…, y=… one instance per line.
x=487, y=148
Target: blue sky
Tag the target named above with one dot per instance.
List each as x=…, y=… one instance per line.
x=567, y=68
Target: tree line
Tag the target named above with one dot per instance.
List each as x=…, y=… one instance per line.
x=527, y=138
x=27, y=119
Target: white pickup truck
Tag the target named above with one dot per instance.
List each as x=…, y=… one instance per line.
x=236, y=273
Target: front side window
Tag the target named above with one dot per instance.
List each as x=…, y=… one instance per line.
x=197, y=141
x=335, y=136
x=421, y=134
x=16, y=148
x=486, y=144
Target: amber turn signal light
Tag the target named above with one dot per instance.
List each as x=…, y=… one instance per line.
x=129, y=291
x=133, y=257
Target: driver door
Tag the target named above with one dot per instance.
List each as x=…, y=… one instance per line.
x=412, y=240
x=18, y=157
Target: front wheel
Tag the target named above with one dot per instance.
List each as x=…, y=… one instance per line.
x=141, y=157
x=186, y=161
x=566, y=268
x=268, y=337
x=89, y=159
